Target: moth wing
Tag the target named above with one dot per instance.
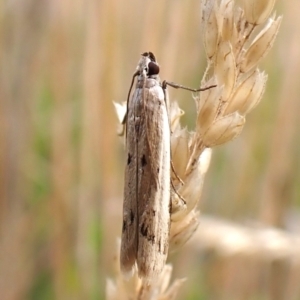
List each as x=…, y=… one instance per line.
x=154, y=185
x=129, y=241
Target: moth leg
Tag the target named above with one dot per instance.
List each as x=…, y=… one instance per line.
x=128, y=97
x=179, y=86
x=176, y=192
x=175, y=173
x=164, y=87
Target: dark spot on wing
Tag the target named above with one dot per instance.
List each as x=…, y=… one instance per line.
x=144, y=232
x=129, y=159
x=124, y=226
x=157, y=170
x=137, y=127
x=144, y=161
x=131, y=216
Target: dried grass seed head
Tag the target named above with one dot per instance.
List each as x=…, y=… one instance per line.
x=257, y=11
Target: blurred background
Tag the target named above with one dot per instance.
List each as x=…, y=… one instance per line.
x=62, y=164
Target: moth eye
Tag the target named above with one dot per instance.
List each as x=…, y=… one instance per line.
x=153, y=68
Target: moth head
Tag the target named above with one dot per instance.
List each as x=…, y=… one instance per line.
x=150, y=65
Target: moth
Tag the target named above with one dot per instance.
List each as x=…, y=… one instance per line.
x=147, y=188
x=147, y=201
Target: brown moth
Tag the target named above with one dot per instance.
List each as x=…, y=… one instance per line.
x=147, y=201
